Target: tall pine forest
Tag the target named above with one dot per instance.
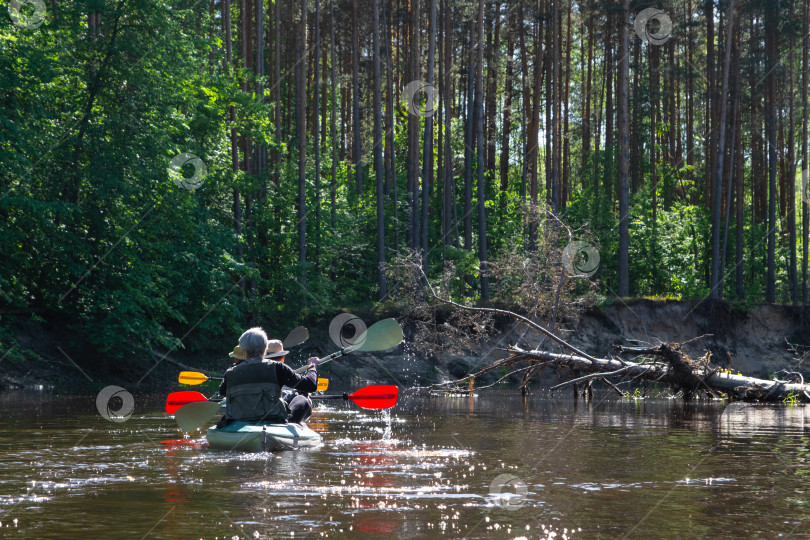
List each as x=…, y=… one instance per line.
x=173, y=172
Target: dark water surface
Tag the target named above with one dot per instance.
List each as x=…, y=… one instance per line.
x=492, y=466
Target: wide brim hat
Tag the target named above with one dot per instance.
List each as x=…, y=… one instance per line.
x=275, y=349
x=238, y=353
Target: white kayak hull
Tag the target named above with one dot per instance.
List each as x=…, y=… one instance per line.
x=262, y=436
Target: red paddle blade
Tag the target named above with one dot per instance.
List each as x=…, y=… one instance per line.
x=376, y=397
x=178, y=399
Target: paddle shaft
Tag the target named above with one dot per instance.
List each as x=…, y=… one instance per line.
x=369, y=397
x=199, y=410
x=344, y=395
x=380, y=336
x=370, y=401
x=347, y=396
x=325, y=359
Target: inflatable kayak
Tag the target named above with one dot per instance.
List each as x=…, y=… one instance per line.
x=262, y=436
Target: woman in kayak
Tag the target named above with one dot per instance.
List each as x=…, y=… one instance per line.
x=253, y=386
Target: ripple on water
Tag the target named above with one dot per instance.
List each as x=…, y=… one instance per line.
x=430, y=476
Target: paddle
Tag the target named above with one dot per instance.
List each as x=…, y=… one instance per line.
x=196, y=414
x=194, y=377
x=296, y=337
x=380, y=336
x=175, y=400
x=370, y=397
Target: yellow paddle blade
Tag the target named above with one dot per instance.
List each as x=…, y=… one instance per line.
x=191, y=377
x=323, y=384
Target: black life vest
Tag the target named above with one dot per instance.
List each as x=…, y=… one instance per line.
x=254, y=393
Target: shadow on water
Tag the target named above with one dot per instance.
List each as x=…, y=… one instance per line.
x=496, y=465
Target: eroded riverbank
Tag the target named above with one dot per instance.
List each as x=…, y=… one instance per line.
x=758, y=342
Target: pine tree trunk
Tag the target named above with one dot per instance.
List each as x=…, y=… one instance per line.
x=532, y=140
x=301, y=116
x=479, y=122
x=624, y=152
x=448, y=216
x=805, y=163
x=276, y=89
x=469, y=141
x=715, y=285
x=493, y=49
x=566, y=146
x=734, y=129
x=316, y=135
x=332, y=116
x=758, y=181
x=358, y=138
x=261, y=165
x=710, y=103
x=548, y=127
x=413, y=129
x=378, y=157
x=506, y=127
x=690, y=111
x=669, y=110
x=237, y=204
x=390, y=174
x=790, y=177
x=556, y=98
x=635, y=135
x=740, y=195
x=586, y=114
x=771, y=53
x=610, y=67
x=525, y=109
x=654, y=108
x=427, y=159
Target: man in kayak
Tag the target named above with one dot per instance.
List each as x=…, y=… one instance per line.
x=253, y=386
x=297, y=399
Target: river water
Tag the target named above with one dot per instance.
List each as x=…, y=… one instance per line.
x=436, y=466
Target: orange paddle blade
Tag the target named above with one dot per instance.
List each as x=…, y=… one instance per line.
x=191, y=377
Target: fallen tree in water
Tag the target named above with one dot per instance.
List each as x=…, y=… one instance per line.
x=671, y=367
x=664, y=364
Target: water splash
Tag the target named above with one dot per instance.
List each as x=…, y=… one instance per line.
x=386, y=416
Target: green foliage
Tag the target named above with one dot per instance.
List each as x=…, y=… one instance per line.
x=464, y=263
x=96, y=234
x=97, y=238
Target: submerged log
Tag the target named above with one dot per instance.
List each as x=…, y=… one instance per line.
x=675, y=371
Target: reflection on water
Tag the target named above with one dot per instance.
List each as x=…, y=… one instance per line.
x=496, y=465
